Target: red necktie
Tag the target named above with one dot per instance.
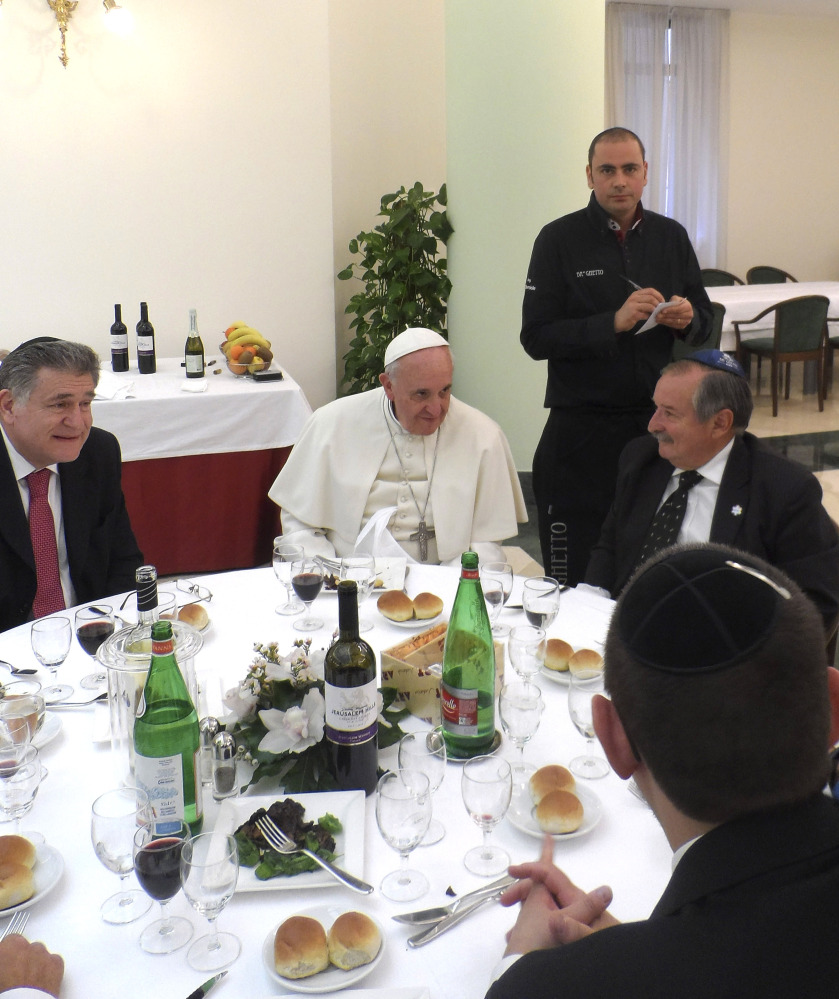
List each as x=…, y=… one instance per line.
x=49, y=597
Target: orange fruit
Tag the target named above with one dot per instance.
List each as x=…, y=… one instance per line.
x=235, y=351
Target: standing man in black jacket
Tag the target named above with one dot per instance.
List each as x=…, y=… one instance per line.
x=595, y=279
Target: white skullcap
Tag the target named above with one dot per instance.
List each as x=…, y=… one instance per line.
x=410, y=341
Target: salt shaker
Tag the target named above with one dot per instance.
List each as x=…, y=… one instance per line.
x=225, y=781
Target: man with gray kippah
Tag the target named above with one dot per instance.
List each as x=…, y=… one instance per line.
x=745, y=494
x=723, y=712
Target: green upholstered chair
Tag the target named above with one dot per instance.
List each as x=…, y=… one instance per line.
x=768, y=275
x=712, y=277
x=682, y=349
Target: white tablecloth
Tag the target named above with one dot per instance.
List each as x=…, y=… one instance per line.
x=626, y=850
x=748, y=300
x=159, y=419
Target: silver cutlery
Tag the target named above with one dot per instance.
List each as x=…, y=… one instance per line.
x=443, y=925
x=434, y=915
x=278, y=840
x=52, y=705
x=17, y=924
x=17, y=670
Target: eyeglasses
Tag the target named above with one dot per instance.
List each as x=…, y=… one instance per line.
x=193, y=589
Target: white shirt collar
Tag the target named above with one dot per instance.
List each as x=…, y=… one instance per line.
x=713, y=470
x=20, y=466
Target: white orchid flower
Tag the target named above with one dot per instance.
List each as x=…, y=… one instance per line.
x=241, y=700
x=296, y=729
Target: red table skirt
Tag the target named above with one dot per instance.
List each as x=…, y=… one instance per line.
x=206, y=512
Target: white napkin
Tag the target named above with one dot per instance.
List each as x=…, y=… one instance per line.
x=376, y=539
x=112, y=386
x=194, y=385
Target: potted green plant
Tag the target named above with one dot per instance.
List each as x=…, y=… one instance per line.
x=405, y=279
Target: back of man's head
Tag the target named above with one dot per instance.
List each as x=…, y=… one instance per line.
x=20, y=368
x=716, y=666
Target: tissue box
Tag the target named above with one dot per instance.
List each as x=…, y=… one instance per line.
x=407, y=666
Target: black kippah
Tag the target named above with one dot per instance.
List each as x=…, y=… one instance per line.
x=698, y=609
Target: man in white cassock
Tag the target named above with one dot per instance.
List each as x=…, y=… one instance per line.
x=406, y=469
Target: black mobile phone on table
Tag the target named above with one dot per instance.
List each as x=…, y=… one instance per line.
x=267, y=375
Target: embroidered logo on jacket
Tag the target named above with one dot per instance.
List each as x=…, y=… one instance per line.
x=596, y=273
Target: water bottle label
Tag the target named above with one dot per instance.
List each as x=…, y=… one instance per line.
x=351, y=713
x=460, y=710
x=162, y=778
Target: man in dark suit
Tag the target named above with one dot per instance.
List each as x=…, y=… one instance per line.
x=46, y=390
x=749, y=496
x=723, y=712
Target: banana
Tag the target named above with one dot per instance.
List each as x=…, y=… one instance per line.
x=235, y=326
x=250, y=337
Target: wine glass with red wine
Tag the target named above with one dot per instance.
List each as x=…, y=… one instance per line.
x=307, y=580
x=93, y=625
x=157, y=865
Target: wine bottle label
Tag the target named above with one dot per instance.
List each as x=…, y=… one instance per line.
x=194, y=363
x=162, y=778
x=145, y=344
x=119, y=341
x=351, y=713
x=460, y=710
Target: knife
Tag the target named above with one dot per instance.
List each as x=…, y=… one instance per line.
x=441, y=911
x=426, y=936
x=202, y=990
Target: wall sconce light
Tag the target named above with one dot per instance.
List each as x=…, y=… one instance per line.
x=117, y=18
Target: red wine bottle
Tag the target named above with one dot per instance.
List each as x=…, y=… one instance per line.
x=146, y=361
x=119, y=342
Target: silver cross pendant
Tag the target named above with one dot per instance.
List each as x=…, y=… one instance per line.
x=422, y=534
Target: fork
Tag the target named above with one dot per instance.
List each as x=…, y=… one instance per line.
x=17, y=924
x=278, y=840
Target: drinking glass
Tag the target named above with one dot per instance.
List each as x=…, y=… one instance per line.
x=51, y=637
x=361, y=568
x=403, y=812
x=21, y=717
x=497, y=584
x=284, y=555
x=583, y=687
x=114, y=819
x=527, y=646
x=540, y=598
x=487, y=786
x=520, y=707
x=157, y=864
x=307, y=580
x=209, y=871
x=21, y=774
x=426, y=752
x=93, y=625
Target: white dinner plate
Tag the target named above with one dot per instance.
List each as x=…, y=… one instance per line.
x=49, y=730
x=49, y=865
x=415, y=623
x=332, y=979
x=391, y=572
x=346, y=806
x=418, y=992
x=563, y=678
x=521, y=813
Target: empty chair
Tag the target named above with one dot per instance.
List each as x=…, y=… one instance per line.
x=800, y=334
x=712, y=277
x=768, y=275
x=682, y=349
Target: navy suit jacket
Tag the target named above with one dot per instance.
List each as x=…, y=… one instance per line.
x=101, y=547
x=750, y=911
x=767, y=505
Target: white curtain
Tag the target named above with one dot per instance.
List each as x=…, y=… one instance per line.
x=667, y=80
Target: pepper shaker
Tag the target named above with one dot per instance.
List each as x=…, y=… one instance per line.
x=225, y=780
x=208, y=729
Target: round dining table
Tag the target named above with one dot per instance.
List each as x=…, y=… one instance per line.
x=623, y=846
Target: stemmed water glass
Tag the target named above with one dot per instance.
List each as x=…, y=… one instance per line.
x=21, y=716
x=583, y=688
x=307, y=580
x=51, y=638
x=403, y=812
x=209, y=871
x=540, y=599
x=426, y=752
x=361, y=568
x=487, y=786
x=520, y=707
x=284, y=555
x=157, y=864
x=21, y=774
x=93, y=625
x=115, y=817
x=527, y=646
x=497, y=584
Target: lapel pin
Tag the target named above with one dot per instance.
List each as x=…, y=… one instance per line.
x=736, y=510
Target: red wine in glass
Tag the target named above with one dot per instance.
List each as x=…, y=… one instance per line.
x=92, y=635
x=158, y=867
x=307, y=585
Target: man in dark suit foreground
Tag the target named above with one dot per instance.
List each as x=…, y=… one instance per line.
x=749, y=496
x=46, y=390
x=723, y=712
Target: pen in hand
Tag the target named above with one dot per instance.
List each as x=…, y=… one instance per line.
x=632, y=283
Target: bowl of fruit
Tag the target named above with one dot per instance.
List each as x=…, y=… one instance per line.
x=245, y=349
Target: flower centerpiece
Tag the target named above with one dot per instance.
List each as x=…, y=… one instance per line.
x=277, y=717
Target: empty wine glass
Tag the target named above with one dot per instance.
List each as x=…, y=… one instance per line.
x=540, y=599
x=307, y=580
x=520, y=707
x=403, y=812
x=284, y=555
x=21, y=774
x=21, y=716
x=487, y=786
x=426, y=752
x=93, y=625
x=527, y=646
x=496, y=582
x=361, y=568
x=51, y=637
x=583, y=687
x=157, y=864
x=209, y=871
x=114, y=819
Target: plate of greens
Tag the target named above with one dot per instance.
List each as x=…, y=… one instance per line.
x=335, y=815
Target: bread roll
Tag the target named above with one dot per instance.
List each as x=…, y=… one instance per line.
x=550, y=778
x=195, y=615
x=300, y=948
x=396, y=605
x=16, y=883
x=427, y=605
x=353, y=940
x=559, y=812
x=18, y=850
x=557, y=654
x=584, y=659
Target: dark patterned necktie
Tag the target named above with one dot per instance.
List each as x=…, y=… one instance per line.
x=664, y=530
x=49, y=597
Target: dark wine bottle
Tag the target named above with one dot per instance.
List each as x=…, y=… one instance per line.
x=119, y=342
x=166, y=740
x=194, y=349
x=146, y=360
x=351, y=696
